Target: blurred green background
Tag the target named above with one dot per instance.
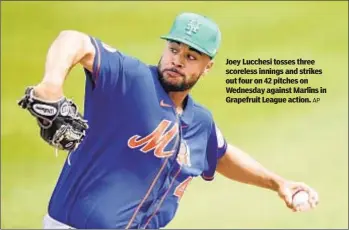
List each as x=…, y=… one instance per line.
x=304, y=142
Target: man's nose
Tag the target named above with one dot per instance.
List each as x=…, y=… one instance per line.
x=178, y=61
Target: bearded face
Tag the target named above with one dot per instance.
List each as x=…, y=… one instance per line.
x=180, y=67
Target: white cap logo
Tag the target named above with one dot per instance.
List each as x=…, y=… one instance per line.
x=192, y=27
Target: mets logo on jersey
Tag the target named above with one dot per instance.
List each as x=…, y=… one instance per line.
x=157, y=140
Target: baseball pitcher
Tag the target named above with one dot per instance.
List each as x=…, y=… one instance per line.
x=142, y=137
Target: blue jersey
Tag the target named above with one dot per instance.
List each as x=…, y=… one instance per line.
x=139, y=155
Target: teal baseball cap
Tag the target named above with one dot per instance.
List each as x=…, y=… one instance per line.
x=196, y=31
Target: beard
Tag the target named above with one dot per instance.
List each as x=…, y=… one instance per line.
x=175, y=87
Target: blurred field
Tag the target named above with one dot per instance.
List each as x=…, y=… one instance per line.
x=301, y=142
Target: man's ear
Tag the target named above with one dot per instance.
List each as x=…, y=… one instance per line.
x=208, y=67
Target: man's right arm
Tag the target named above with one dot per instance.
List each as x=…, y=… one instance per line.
x=67, y=50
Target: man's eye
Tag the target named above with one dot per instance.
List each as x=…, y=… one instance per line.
x=191, y=57
x=173, y=50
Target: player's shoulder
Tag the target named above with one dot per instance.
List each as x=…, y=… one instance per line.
x=202, y=113
x=113, y=55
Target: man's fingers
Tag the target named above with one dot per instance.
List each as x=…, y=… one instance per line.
x=313, y=198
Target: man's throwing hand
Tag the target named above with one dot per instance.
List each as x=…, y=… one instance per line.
x=288, y=191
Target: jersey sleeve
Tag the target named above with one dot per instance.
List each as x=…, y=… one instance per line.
x=109, y=84
x=216, y=148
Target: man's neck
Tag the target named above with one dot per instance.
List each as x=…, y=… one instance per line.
x=178, y=100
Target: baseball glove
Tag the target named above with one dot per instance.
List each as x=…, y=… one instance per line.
x=61, y=125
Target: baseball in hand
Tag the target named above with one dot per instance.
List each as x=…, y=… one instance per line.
x=301, y=201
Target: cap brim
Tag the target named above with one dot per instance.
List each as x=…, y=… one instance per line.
x=184, y=41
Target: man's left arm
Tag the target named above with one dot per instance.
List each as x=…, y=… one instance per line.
x=239, y=166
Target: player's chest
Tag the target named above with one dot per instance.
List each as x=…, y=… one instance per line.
x=163, y=134
x=170, y=142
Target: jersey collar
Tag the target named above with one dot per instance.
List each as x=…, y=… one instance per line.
x=188, y=112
